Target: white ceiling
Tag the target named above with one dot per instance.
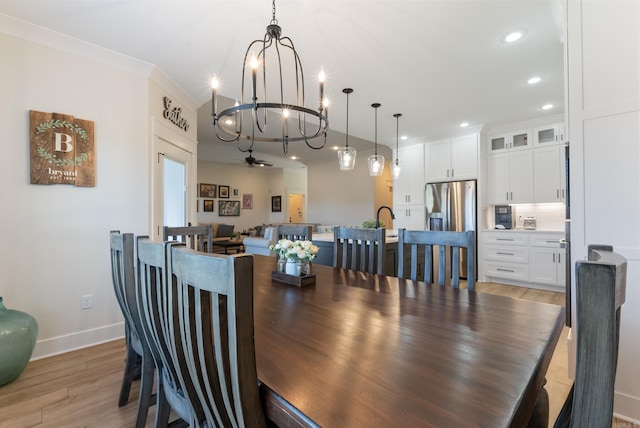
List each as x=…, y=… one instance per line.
x=438, y=62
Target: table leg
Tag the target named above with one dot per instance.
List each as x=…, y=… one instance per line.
x=540, y=415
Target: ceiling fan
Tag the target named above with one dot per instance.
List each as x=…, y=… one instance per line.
x=251, y=161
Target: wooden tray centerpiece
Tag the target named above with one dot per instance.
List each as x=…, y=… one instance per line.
x=299, y=281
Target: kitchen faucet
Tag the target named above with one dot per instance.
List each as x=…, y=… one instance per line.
x=393, y=217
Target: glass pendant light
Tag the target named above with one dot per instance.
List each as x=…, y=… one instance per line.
x=347, y=155
x=376, y=161
x=397, y=169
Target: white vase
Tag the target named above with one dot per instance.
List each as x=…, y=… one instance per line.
x=293, y=268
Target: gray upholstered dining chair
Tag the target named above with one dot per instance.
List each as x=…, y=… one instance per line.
x=292, y=232
x=359, y=249
x=139, y=361
x=422, y=242
x=195, y=237
x=600, y=292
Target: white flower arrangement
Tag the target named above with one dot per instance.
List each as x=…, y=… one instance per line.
x=295, y=251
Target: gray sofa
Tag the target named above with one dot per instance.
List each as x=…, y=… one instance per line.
x=260, y=244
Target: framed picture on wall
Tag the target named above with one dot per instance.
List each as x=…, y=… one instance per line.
x=223, y=192
x=228, y=208
x=207, y=205
x=236, y=193
x=247, y=201
x=276, y=204
x=207, y=190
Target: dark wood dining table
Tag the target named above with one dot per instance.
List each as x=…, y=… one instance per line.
x=364, y=350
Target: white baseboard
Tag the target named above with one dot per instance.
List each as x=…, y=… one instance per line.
x=626, y=408
x=78, y=340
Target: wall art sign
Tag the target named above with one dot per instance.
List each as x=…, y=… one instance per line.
x=61, y=149
x=174, y=115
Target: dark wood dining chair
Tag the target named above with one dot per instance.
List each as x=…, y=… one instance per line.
x=157, y=309
x=212, y=333
x=139, y=362
x=422, y=242
x=195, y=237
x=294, y=233
x=359, y=249
x=599, y=294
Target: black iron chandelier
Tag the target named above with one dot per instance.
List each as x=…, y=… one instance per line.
x=269, y=120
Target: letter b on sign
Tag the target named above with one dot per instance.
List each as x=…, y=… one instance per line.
x=63, y=142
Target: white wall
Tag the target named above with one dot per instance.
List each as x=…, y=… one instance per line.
x=340, y=197
x=55, y=245
x=604, y=131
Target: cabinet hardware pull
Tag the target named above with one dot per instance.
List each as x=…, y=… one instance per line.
x=554, y=257
x=552, y=241
x=504, y=270
x=557, y=193
x=558, y=257
x=452, y=174
x=504, y=239
x=447, y=173
x=507, y=198
x=504, y=254
x=512, y=196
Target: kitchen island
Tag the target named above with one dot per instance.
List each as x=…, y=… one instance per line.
x=324, y=241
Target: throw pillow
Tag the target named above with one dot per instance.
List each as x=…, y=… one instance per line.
x=225, y=230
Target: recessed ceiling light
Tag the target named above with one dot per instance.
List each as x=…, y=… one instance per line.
x=514, y=36
x=404, y=137
x=293, y=157
x=336, y=148
x=464, y=124
x=534, y=80
x=547, y=107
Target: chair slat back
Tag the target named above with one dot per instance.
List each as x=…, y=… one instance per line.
x=195, y=237
x=359, y=249
x=600, y=292
x=293, y=233
x=448, y=245
x=158, y=308
x=214, y=298
x=123, y=274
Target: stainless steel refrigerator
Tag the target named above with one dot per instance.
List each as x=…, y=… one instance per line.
x=452, y=206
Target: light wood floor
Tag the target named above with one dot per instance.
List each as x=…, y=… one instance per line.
x=80, y=388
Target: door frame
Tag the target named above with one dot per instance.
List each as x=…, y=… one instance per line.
x=165, y=139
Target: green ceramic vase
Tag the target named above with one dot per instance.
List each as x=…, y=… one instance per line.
x=18, y=333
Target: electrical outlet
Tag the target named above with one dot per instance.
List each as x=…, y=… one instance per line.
x=87, y=301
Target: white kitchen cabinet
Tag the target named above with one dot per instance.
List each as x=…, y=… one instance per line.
x=512, y=141
x=526, y=258
x=452, y=159
x=510, y=177
x=410, y=217
x=549, y=174
x=547, y=259
x=506, y=255
x=548, y=135
x=408, y=188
